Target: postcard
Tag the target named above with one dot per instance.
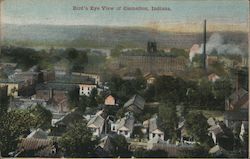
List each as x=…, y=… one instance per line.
x=124, y=78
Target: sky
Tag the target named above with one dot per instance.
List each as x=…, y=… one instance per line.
x=60, y=12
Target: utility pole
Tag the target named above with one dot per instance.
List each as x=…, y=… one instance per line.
x=1, y=25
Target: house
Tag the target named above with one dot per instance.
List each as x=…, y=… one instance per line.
x=85, y=89
x=61, y=69
x=96, y=124
x=124, y=126
x=233, y=117
x=110, y=101
x=56, y=117
x=96, y=77
x=213, y=77
x=29, y=77
x=244, y=131
x=66, y=121
x=135, y=104
x=150, y=78
x=183, y=135
x=215, y=131
x=14, y=88
x=3, y=91
x=153, y=129
x=105, y=147
x=37, y=144
x=48, y=75
x=221, y=135
x=238, y=100
x=55, y=93
x=38, y=134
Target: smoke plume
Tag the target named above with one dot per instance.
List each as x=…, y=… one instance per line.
x=215, y=43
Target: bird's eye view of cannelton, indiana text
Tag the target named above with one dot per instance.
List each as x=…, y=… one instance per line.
x=124, y=78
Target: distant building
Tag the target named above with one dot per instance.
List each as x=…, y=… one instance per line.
x=96, y=77
x=152, y=61
x=124, y=126
x=150, y=78
x=14, y=88
x=48, y=75
x=213, y=77
x=85, y=89
x=110, y=101
x=135, y=104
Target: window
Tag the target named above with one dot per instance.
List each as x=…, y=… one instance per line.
x=82, y=88
x=153, y=135
x=126, y=133
x=113, y=127
x=88, y=88
x=159, y=135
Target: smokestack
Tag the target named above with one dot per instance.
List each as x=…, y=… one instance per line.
x=204, y=46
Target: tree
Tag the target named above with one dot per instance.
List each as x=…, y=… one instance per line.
x=83, y=103
x=77, y=142
x=196, y=125
x=121, y=146
x=42, y=117
x=93, y=96
x=168, y=120
x=4, y=102
x=71, y=53
x=13, y=125
x=73, y=96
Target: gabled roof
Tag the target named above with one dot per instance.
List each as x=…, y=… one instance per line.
x=152, y=125
x=38, y=134
x=240, y=93
x=136, y=100
x=34, y=144
x=96, y=122
x=125, y=123
x=105, y=143
x=216, y=129
x=70, y=118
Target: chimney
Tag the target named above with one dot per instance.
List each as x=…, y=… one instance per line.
x=204, y=46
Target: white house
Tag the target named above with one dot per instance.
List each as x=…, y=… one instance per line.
x=96, y=124
x=124, y=126
x=153, y=129
x=85, y=89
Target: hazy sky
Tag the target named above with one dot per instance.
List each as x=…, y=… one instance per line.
x=61, y=12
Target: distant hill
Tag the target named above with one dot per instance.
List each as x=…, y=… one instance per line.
x=100, y=36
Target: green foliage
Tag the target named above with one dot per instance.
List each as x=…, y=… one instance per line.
x=179, y=52
x=168, y=120
x=74, y=96
x=77, y=142
x=196, y=125
x=42, y=117
x=4, y=102
x=124, y=89
x=13, y=125
x=92, y=97
x=121, y=146
x=168, y=88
